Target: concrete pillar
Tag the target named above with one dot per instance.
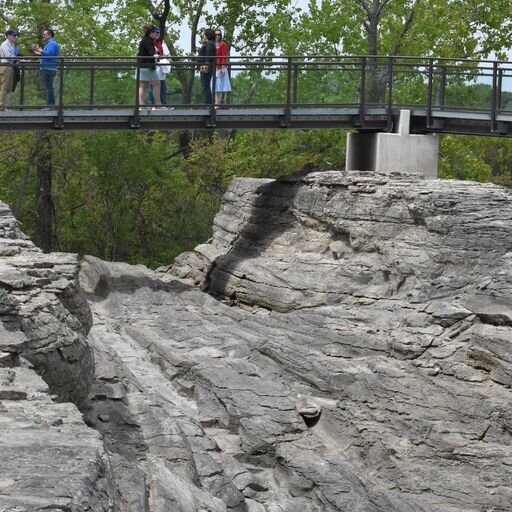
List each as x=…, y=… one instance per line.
x=394, y=152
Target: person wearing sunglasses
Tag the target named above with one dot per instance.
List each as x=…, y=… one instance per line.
x=163, y=66
x=149, y=74
x=222, y=81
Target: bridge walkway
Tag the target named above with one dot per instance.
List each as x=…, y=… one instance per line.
x=362, y=93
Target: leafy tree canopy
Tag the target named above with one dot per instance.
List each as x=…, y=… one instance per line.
x=145, y=197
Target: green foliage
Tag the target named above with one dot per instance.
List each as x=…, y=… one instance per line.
x=437, y=27
x=216, y=160
x=82, y=27
x=272, y=154
x=128, y=200
x=142, y=197
x=461, y=158
x=116, y=196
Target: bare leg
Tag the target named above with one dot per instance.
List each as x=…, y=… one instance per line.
x=143, y=87
x=156, y=91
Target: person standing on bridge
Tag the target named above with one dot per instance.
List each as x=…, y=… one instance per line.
x=149, y=74
x=7, y=53
x=222, y=84
x=48, y=64
x=206, y=63
x=163, y=67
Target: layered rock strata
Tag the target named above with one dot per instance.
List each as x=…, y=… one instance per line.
x=389, y=299
x=353, y=353
x=50, y=460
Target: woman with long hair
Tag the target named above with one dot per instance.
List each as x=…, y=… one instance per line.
x=163, y=67
x=222, y=82
x=149, y=74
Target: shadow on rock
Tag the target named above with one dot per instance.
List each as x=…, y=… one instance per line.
x=270, y=217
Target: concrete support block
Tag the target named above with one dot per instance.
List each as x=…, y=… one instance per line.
x=394, y=152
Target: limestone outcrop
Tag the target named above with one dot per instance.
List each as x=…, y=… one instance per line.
x=343, y=343
x=50, y=459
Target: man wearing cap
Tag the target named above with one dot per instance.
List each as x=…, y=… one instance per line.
x=7, y=53
x=48, y=63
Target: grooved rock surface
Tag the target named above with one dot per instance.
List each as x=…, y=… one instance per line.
x=353, y=353
x=43, y=314
x=49, y=459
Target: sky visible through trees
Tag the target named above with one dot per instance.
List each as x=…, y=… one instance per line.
x=146, y=197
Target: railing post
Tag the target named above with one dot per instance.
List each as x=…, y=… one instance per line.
x=287, y=110
x=22, y=85
x=494, y=95
x=295, y=82
x=60, y=107
x=500, y=87
x=136, y=114
x=213, y=114
x=362, y=92
x=430, y=92
x=442, y=88
x=91, y=86
x=390, y=95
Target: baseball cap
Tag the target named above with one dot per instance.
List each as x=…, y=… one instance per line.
x=11, y=32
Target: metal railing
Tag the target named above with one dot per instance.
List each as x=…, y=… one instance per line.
x=287, y=83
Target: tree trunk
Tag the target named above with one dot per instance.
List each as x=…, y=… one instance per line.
x=18, y=207
x=374, y=94
x=44, y=203
x=377, y=71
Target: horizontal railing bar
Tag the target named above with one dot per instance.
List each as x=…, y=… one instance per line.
x=295, y=58
x=359, y=83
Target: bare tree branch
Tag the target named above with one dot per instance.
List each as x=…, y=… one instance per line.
x=365, y=6
x=151, y=7
x=195, y=24
x=405, y=28
x=380, y=8
x=4, y=17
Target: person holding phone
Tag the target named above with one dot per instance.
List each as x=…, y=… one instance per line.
x=48, y=63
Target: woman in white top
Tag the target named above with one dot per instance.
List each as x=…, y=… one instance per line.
x=163, y=68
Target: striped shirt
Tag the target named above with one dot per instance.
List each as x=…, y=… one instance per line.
x=7, y=49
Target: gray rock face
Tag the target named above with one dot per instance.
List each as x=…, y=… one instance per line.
x=50, y=460
x=353, y=354
x=43, y=314
x=388, y=298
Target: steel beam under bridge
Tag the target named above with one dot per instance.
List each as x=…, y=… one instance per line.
x=190, y=118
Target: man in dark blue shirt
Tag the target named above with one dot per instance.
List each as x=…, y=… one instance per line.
x=48, y=64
